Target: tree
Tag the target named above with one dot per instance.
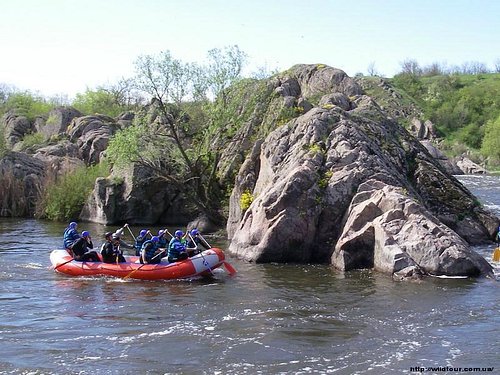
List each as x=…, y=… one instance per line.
x=372, y=71
x=411, y=67
x=183, y=149
x=497, y=66
x=111, y=100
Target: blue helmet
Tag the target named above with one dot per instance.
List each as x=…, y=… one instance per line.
x=155, y=239
x=85, y=234
x=73, y=224
x=161, y=232
x=194, y=232
x=143, y=232
x=179, y=233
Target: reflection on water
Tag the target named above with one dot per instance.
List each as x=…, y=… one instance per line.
x=268, y=319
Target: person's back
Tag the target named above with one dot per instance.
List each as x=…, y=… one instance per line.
x=162, y=241
x=149, y=251
x=70, y=235
x=139, y=241
x=177, y=248
x=195, y=240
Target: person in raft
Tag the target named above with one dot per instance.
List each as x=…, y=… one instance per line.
x=139, y=241
x=110, y=249
x=80, y=249
x=150, y=252
x=177, y=247
x=195, y=240
x=162, y=241
x=70, y=236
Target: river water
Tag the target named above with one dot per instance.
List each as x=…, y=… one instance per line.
x=268, y=319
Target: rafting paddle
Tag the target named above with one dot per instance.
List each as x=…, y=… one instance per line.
x=496, y=255
x=230, y=269
x=62, y=264
x=142, y=265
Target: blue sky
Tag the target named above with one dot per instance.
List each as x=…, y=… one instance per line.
x=64, y=46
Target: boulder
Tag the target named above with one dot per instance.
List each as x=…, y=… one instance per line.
x=467, y=166
x=57, y=121
x=62, y=157
x=21, y=176
x=423, y=130
x=449, y=165
x=135, y=197
x=15, y=127
x=307, y=180
x=386, y=230
x=91, y=134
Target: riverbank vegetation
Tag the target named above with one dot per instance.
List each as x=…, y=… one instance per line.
x=462, y=103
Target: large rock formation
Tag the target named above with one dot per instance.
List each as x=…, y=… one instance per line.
x=15, y=127
x=20, y=180
x=135, y=197
x=344, y=184
x=57, y=121
x=91, y=134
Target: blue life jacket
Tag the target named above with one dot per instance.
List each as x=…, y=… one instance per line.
x=139, y=241
x=175, y=247
x=162, y=242
x=150, y=248
x=70, y=236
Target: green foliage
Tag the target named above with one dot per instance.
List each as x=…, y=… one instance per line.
x=459, y=105
x=491, y=140
x=323, y=181
x=27, y=104
x=98, y=101
x=246, y=200
x=125, y=147
x=31, y=140
x=65, y=198
x=3, y=142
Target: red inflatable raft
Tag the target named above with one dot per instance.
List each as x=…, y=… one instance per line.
x=198, y=265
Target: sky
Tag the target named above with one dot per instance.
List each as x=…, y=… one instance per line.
x=63, y=47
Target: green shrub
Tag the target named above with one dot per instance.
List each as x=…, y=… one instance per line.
x=27, y=104
x=3, y=143
x=33, y=139
x=246, y=200
x=65, y=198
x=98, y=101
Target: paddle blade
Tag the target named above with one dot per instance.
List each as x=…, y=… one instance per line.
x=230, y=269
x=496, y=255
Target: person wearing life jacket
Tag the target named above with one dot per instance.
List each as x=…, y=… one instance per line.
x=150, y=252
x=177, y=247
x=194, y=241
x=70, y=236
x=139, y=241
x=80, y=249
x=162, y=241
x=110, y=249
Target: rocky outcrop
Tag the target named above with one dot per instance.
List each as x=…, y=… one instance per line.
x=61, y=157
x=344, y=184
x=449, y=165
x=57, y=121
x=387, y=230
x=15, y=127
x=423, y=130
x=91, y=134
x=136, y=197
x=20, y=180
x=467, y=166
